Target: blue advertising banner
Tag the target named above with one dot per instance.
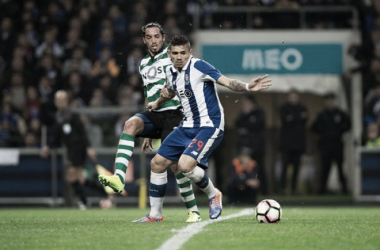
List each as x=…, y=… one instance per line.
x=275, y=58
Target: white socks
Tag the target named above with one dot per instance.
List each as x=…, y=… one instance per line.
x=199, y=177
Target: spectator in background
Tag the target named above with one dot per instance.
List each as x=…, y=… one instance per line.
x=46, y=90
x=293, y=137
x=127, y=97
x=30, y=140
x=27, y=50
x=46, y=68
x=109, y=87
x=259, y=23
x=372, y=136
x=133, y=60
x=18, y=67
x=331, y=123
x=94, y=132
x=135, y=82
x=73, y=41
x=106, y=24
x=17, y=90
x=77, y=62
x=70, y=131
x=32, y=108
x=118, y=19
x=31, y=33
x=140, y=11
x=68, y=8
x=79, y=88
x=10, y=123
x=9, y=135
x=244, y=184
x=98, y=99
x=55, y=14
x=76, y=24
x=106, y=40
x=372, y=78
x=171, y=26
x=7, y=39
x=34, y=126
x=89, y=19
x=30, y=6
x=50, y=42
x=372, y=104
x=106, y=64
x=250, y=127
x=134, y=28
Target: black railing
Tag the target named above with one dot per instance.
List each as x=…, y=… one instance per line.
x=342, y=16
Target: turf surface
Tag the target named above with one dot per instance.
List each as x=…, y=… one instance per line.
x=300, y=228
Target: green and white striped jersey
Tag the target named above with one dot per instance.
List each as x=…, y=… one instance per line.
x=153, y=74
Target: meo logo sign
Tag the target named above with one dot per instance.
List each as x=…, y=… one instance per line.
x=273, y=59
x=293, y=59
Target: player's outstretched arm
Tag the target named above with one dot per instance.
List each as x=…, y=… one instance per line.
x=256, y=84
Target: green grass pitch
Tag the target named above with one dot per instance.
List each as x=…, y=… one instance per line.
x=300, y=228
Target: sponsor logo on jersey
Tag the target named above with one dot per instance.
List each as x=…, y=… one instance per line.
x=152, y=72
x=185, y=93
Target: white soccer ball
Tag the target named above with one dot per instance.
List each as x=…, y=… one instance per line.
x=268, y=211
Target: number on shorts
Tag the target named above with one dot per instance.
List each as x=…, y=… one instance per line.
x=200, y=144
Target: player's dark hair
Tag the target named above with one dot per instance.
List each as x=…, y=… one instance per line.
x=151, y=25
x=179, y=40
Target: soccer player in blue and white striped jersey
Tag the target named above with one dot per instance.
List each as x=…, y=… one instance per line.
x=201, y=131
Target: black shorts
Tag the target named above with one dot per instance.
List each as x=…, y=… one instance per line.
x=158, y=125
x=76, y=156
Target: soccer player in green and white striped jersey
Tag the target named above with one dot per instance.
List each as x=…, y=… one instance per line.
x=155, y=124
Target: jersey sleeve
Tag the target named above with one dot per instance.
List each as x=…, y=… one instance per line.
x=208, y=70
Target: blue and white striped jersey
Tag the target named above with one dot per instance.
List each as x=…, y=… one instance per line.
x=195, y=85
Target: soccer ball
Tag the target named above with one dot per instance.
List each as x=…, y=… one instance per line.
x=268, y=211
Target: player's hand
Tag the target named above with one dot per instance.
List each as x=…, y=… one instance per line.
x=147, y=145
x=152, y=106
x=259, y=83
x=91, y=154
x=44, y=153
x=165, y=93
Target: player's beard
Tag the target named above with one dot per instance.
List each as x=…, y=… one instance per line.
x=156, y=50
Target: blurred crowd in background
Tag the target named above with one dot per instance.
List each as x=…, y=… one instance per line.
x=92, y=49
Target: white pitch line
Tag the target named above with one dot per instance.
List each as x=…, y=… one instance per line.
x=183, y=235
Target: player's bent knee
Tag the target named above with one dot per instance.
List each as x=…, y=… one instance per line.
x=159, y=164
x=187, y=164
x=133, y=126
